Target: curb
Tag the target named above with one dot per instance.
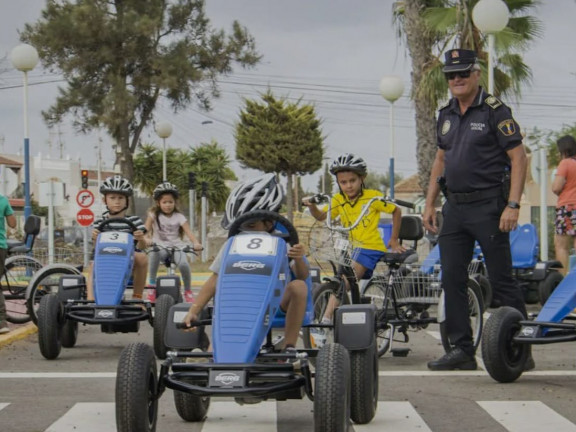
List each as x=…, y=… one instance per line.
x=17, y=334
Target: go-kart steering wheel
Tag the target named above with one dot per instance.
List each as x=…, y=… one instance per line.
x=104, y=224
x=291, y=237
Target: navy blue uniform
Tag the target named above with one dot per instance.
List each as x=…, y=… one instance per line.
x=475, y=161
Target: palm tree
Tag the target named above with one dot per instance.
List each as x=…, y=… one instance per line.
x=429, y=28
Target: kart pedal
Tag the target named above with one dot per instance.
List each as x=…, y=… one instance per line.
x=400, y=352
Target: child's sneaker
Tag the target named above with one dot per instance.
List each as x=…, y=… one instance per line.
x=4, y=330
x=188, y=296
x=151, y=295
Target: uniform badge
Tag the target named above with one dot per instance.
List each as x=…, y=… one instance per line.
x=507, y=127
x=445, y=127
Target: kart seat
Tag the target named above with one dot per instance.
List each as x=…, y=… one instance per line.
x=524, y=246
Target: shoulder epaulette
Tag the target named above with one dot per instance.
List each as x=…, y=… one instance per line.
x=444, y=105
x=493, y=102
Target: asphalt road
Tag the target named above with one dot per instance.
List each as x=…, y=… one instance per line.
x=76, y=393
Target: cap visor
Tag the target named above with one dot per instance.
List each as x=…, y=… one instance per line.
x=458, y=67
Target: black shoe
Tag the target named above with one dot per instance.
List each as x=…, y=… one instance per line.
x=455, y=359
x=529, y=365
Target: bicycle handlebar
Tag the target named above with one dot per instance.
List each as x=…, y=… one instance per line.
x=186, y=249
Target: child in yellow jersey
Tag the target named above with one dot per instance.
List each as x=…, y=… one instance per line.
x=368, y=246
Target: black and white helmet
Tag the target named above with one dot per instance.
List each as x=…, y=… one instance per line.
x=349, y=162
x=116, y=184
x=165, y=188
x=260, y=193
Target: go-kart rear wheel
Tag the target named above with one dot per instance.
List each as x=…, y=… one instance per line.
x=49, y=328
x=191, y=408
x=136, y=389
x=503, y=358
x=364, y=389
x=548, y=285
x=332, y=389
x=161, y=313
x=69, y=333
x=475, y=312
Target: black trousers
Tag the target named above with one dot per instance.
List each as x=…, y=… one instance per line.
x=463, y=224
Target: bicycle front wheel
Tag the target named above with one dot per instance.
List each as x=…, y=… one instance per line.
x=19, y=270
x=376, y=292
x=45, y=282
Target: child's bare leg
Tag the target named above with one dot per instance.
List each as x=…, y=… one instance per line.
x=333, y=302
x=140, y=270
x=90, y=283
x=294, y=303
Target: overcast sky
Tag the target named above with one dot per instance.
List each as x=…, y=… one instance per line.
x=331, y=53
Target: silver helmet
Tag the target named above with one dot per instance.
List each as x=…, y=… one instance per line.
x=165, y=188
x=349, y=162
x=116, y=184
x=260, y=193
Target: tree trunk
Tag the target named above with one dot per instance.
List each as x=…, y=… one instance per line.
x=420, y=42
x=289, y=196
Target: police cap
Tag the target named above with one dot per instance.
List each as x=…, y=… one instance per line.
x=459, y=60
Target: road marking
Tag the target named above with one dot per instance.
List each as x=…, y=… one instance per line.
x=87, y=417
x=11, y=375
x=434, y=334
x=246, y=418
x=395, y=416
x=527, y=416
x=3, y=405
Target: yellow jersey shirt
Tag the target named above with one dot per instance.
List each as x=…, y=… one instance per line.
x=366, y=234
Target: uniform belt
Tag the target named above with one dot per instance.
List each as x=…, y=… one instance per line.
x=468, y=197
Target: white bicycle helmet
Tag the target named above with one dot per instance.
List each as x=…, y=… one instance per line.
x=349, y=162
x=165, y=188
x=116, y=184
x=260, y=193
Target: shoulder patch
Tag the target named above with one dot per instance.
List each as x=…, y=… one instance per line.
x=507, y=127
x=493, y=102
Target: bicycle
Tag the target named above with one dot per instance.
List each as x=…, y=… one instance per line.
x=19, y=269
x=166, y=300
x=403, y=293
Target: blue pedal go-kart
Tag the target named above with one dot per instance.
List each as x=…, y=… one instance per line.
x=59, y=313
x=508, y=335
x=245, y=362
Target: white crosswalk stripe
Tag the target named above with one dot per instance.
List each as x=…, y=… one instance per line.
x=3, y=405
x=392, y=416
x=527, y=416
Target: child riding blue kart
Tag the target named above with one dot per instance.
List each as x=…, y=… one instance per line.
x=246, y=363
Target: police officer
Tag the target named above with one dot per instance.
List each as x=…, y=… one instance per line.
x=481, y=165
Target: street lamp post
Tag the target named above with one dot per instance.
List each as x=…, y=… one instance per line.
x=391, y=88
x=24, y=57
x=490, y=16
x=164, y=130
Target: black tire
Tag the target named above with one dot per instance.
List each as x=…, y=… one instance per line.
x=191, y=408
x=332, y=389
x=364, y=388
x=49, y=327
x=485, y=289
x=20, y=270
x=476, y=310
x=69, y=333
x=136, y=389
x=320, y=296
x=503, y=358
x=548, y=285
x=377, y=294
x=161, y=312
x=44, y=282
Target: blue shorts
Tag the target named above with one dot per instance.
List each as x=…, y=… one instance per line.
x=368, y=258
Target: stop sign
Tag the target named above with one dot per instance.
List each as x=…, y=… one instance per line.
x=85, y=217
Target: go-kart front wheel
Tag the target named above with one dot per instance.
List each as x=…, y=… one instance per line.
x=49, y=328
x=136, y=389
x=69, y=334
x=161, y=313
x=191, y=408
x=548, y=285
x=364, y=389
x=503, y=358
x=332, y=389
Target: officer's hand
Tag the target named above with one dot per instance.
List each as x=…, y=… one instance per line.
x=429, y=220
x=509, y=219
